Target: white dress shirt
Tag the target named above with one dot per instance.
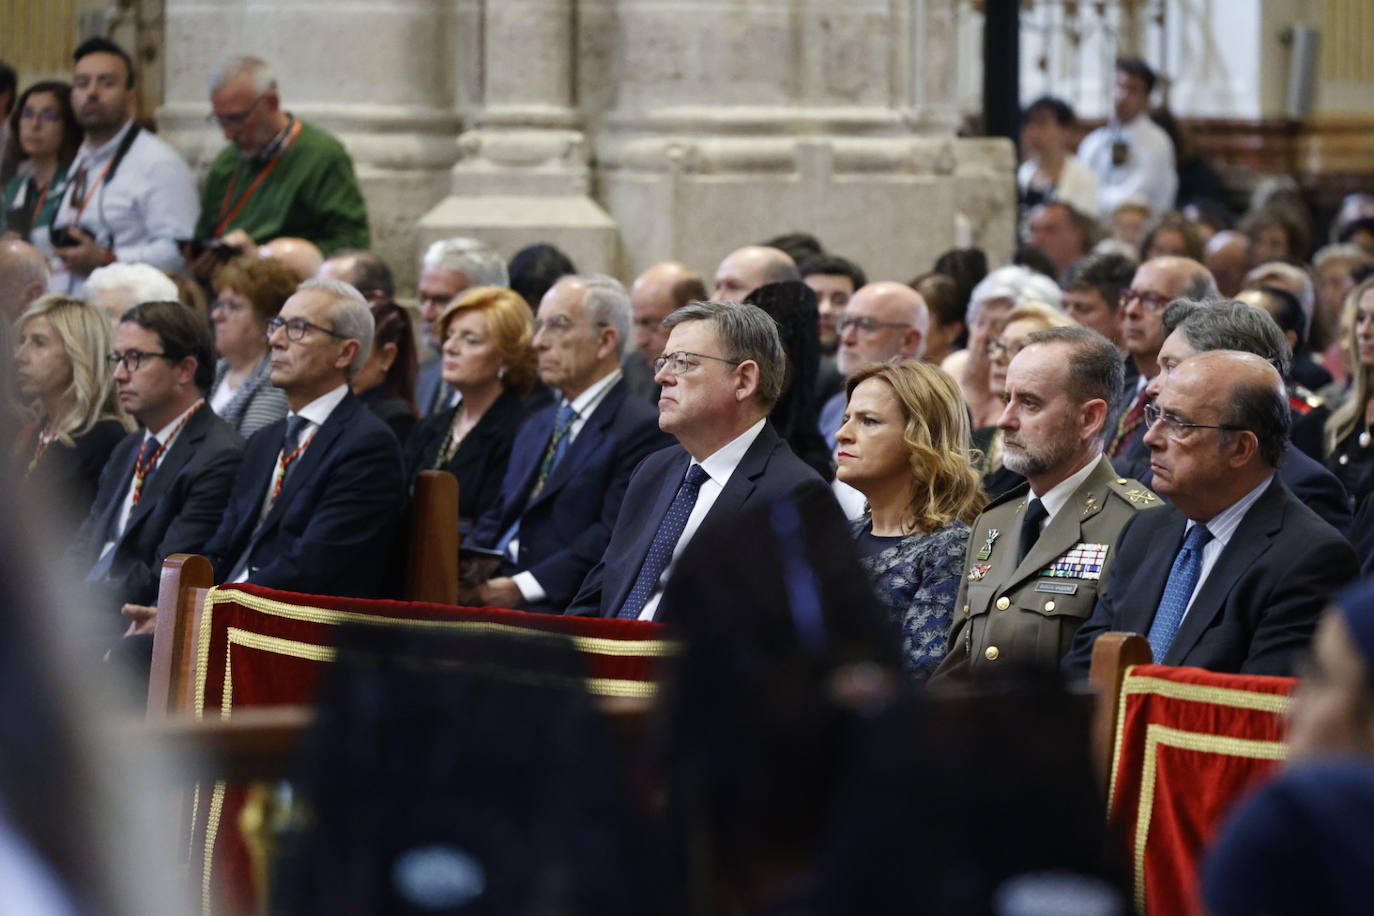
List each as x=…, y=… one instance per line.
x=719, y=466
x=138, y=213
x=584, y=405
x=1149, y=171
x=167, y=435
x=1222, y=525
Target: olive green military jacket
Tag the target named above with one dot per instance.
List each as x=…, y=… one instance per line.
x=1027, y=613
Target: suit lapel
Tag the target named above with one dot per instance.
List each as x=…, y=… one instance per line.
x=740, y=486
x=588, y=440
x=1066, y=528
x=1250, y=540
x=667, y=489
x=110, y=511
x=182, y=450
x=526, y=457
x=1139, y=607
x=315, y=452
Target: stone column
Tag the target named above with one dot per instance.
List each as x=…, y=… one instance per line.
x=737, y=121
x=380, y=75
x=522, y=175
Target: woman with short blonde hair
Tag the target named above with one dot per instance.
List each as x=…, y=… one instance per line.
x=905, y=444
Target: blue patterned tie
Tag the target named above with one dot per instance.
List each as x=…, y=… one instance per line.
x=1178, y=592
x=665, y=540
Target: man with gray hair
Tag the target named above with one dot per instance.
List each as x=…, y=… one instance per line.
x=448, y=268
x=23, y=277
x=722, y=370
x=570, y=463
x=319, y=494
x=278, y=176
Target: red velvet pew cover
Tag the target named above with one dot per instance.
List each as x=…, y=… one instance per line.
x=1190, y=744
x=261, y=647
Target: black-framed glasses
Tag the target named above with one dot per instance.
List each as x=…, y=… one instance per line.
x=235, y=120
x=297, y=328
x=1176, y=428
x=868, y=325
x=681, y=362
x=132, y=359
x=1152, y=302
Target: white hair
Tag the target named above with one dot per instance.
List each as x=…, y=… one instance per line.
x=1288, y=273
x=607, y=303
x=1016, y=283
x=133, y=283
x=482, y=265
x=264, y=80
x=1339, y=251
x=350, y=314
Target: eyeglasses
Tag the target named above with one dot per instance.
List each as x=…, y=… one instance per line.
x=559, y=325
x=1153, y=302
x=237, y=120
x=296, y=329
x=997, y=347
x=681, y=362
x=867, y=325
x=132, y=359
x=41, y=115
x=1175, y=428
x=229, y=305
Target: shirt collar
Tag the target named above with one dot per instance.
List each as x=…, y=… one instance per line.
x=274, y=145
x=165, y=433
x=1058, y=495
x=88, y=154
x=586, y=402
x=1224, y=523
x=318, y=410
x=721, y=463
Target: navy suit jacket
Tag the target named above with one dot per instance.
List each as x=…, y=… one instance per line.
x=179, y=509
x=1311, y=482
x=331, y=530
x=1257, y=607
x=768, y=472
x=564, y=530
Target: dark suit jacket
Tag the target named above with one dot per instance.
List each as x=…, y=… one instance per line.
x=181, y=505
x=335, y=518
x=1313, y=485
x=68, y=477
x=564, y=530
x=481, y=460
x=769, y=471
x=1256, y=609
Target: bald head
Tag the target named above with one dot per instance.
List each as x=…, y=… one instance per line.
x=1228, y=258
x=883, y=321
x=746, y=269
x=23, y=276
x=656, y=293
x=298, y=254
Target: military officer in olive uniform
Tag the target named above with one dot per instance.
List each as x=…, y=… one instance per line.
x=1038, y=555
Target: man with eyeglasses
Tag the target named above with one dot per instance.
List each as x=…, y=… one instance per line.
x=278, y=176
x=571, y=462
x=165, y=486
x=884, y=321
x=1156, y=283
x=1233, y=574
x=320, y=492
x=130, y=197
x=722, y=370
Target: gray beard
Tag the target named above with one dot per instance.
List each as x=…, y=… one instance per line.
x=1029, y=463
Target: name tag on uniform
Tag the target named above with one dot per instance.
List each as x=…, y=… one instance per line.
x=1057, y=588
x=1082, y=561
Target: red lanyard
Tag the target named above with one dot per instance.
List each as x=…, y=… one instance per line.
x=79, y=189
x=143, y=468
x=252, y=188
x=284, y=463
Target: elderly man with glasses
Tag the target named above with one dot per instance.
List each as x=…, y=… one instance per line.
x=571, y=462
x=1232, y=576
x=277, y=177
x=319, y=495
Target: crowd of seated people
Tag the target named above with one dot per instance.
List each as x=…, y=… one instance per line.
x=1163, y=428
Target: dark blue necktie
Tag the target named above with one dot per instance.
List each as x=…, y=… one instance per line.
x=665, y=540
x=1187, y=569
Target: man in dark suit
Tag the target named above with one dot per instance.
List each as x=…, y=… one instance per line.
x=1193, y=328
x=570, y=462
x=1156, y=283
x=722, y=370
x=1233, y=575
x=165, y=486
x=320, y=492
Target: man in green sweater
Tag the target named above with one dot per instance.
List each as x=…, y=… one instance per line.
x=278, y=176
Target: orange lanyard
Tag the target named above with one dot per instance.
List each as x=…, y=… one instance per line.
x=143, y=468
x=284, y=463
x=79, y=184
x=252, y=188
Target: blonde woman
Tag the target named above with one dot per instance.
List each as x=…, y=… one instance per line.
x=904, y=443
x=62, y=374
x=1349, y=442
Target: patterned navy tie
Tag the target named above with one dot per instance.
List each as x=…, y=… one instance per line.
x=665, y=540
x=1187, y=569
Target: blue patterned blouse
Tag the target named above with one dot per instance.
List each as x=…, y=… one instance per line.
x=917, y=578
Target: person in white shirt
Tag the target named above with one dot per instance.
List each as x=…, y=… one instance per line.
x=130, y=197
x=1050, y=171
x=1131, y=155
